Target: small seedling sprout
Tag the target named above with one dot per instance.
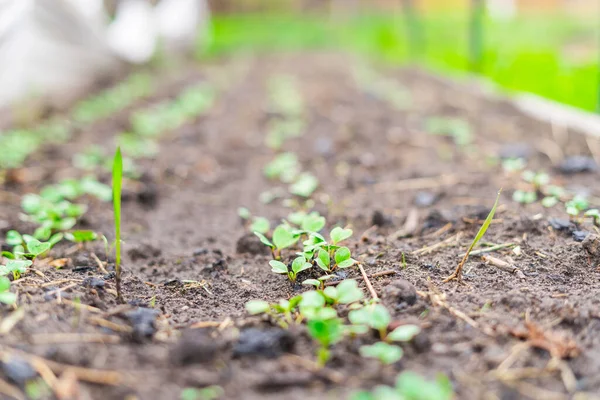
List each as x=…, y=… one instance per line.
x=117, y=183
x=458, y=272
x=595, y=214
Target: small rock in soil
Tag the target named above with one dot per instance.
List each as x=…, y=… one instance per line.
x=268, y=343
x=515, y=150
x=579, y=236
x=143, y=320
x=18, y=371
x=94, y=282
x=562, y=225
x=200, y=252
x=578, y=164
x=250, y=244
x=400, y=293
x=435, y=219
x=379, y=219
x=425, y=199
x=591, y=244
x=195, y=346
x=143, y=252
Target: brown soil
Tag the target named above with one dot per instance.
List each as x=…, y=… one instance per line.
x=181, y=223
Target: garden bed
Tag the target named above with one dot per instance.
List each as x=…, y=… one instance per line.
x=523, y=324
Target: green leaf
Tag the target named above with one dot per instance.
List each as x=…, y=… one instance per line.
x=326, y=332
x=299, y=264
x=346, y=263
x=485, y=225
x=414, y=387
x=260, y=225
x=386, y=353
x=13, y=238
x=404, y=333
x=244, y=213
x=376, y=316
x=19, y=266
x=278, y=267
x=349, y=292
x=313, y=222
x=264, y=240
x=305, y=185
x=36, y=247
x=81, y=236
x=6, y=296
x=331, y=293
x=323, y=260
x=255, y=307
x=283, y=238
x=311, y=282
x=339, y=234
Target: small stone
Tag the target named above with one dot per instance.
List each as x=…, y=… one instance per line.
x=400, y=293
x=268, y=343
x=251, y=244
x=379, y=219
x=425, y=199
x=200, y=252
x=94, y=282
x=578, y=164
x=591, y=244
x=579, y=236
x=560, y=224
x=195, y=346
x=18, y=371
x=143, y=321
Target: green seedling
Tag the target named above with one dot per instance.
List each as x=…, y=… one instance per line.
x=282, y=239
x=326, y=333
x=513, y=164
x=282, y=312
x=13, y=238
x=298, y=265
x=284, y=167
x=595, y=214
x=244, y=213
x=374, y=316
x=260, y=225
x=410, y=386
x=208, y=393
x=486, y=224
x=81, y=236
x=15, y=267
x=549, y=201
x=524, y=197
x=576, y=205
x=318, y=283
x=305, y=185
x=6, y=296
x=538, y=180
x=338, y=235
x=384, y=352
x=137, y=146
x=346, y=292
x=117, y=178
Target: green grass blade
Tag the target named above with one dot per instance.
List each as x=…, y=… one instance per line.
x=486, y=224
x=117, y=183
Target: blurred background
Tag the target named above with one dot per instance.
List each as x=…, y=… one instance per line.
x=547, y=47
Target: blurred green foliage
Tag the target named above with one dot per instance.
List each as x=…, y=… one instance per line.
x=554, y=56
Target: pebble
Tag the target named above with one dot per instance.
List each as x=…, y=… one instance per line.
x=18, y=371
x=143, y=320
x=268, y=343
x=560, y=224
x=578, y=164
x=579, y=236
x=250, y=244
x=195, y=346
x=400, y=293
x=94, y=282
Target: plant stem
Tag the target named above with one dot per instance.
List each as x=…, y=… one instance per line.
x=117, y=184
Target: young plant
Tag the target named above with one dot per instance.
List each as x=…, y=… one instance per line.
x=318, y=283
x=6, y=296
x=81, y=236
x=346, y=292
x=595, y=214
x=283, y=238
x=117, y=177
x=15, y=267
x=298, y=265
x=305, y=185
x=458, y=272
x=410, y=386
x=524, y=197
x=576, y=205
x=537, y=179
x=282, y=312
x=326, y=332
x=384, y=352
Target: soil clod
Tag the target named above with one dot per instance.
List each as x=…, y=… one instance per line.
x=143, y=322
x=196, y=346
x=577, y=164
x=400, y=293
x=18, y=371
x=269, y=343
x=250, y=244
